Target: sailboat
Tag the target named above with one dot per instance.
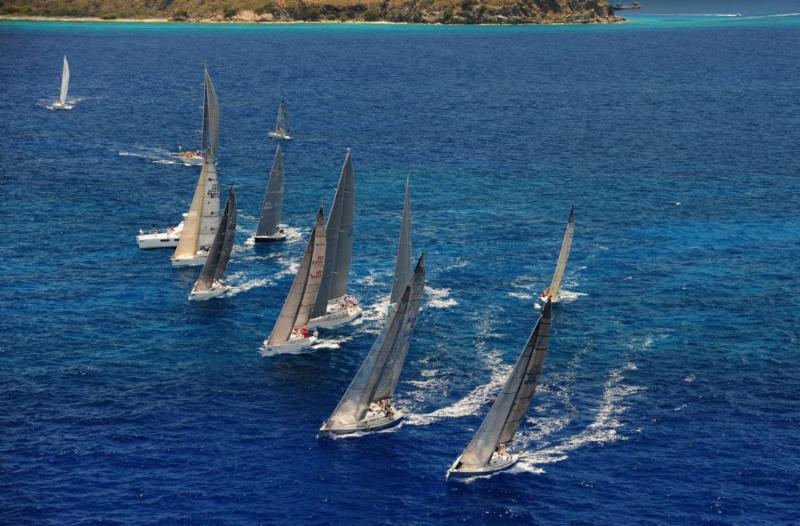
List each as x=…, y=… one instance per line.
x=202, y=220
x=209, y=284
x=61, y=103
x=268, y=229
x=334, y=307
x=487, y=452
x=290, y=333
x=281, y=124
x=552, y=291
x=195, y=157
x=161, y=238
x=366, y=405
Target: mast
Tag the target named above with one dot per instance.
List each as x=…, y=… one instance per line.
x=64, y=81
x=402, y=269
x=308, y=276
x=502, y=421
x=220, y=252
x=340, y=240
x=273, y=198
x=563, y=256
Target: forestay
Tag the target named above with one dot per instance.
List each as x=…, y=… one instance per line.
x=340, y=240
x=502, y=421
x=302, y=294
x=273, y=198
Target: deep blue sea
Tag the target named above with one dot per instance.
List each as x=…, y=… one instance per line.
x=671, y=391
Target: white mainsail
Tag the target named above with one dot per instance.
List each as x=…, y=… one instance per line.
x=502, y=421
x=563, y=256
x=64, y=82
x=297, y=307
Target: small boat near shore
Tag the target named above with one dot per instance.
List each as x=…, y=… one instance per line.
x=334, y=306
x=61, y=103
x=210, y=284
x=291, y=332
x=488, y=452
x=160, y=238
x=269, y=229
x=552, y=291
x=281, y=124
x=202, y=220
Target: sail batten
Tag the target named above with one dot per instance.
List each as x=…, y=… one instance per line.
x=64, y=81
x=563, y=257
x=302, y=293
x=402, y=269
x=336, y=274
x=273, y=198
x=502, y=421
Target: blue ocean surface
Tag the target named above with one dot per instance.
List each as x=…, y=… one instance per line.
x=670, y=393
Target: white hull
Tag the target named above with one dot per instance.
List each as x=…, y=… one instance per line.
x=497, y=463
x=372, y=422
x=191, y=161
x=58, y=105
x=339, y=313
x=295, y=345
x=274, y=238
x=198, y=260
x=217, y=290
x=162, y=239
x=278, y=135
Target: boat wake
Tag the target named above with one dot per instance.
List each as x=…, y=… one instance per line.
x=238, y=284
x=330, y=343
x=154, y=155
x=372, y=317
x=440, y=298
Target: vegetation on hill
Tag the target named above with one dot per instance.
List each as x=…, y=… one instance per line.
x=418, y=11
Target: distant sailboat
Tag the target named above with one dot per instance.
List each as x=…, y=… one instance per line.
x=202, y=221
x=290, y=333
x=487, y=452
x=195, y=157
x=555, y=285
x=268, y=229
x=61, y=103
x=281, y=124
x=209, y=284
x=334, y=307
x=366, y=405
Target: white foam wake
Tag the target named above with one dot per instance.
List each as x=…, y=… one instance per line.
x=440, y=298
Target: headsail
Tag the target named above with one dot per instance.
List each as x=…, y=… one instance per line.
x=402, y=268
x=295, y=311
x=563, y=256
x=220, y=252
x=282, y=122
x=187, y=246
x=340, y=240
x=210, y=141
x=273, y=199
x=64, y=81
x=502, y=421
x=381, y=361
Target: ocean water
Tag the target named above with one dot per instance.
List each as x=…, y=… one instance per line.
x=670, y=391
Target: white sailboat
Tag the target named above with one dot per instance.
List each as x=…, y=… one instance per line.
x=281, y=124
x=487, y=452
x=552, y=291
x=269, y=229
x=195, y=157
x=61, y=103
x=290, y=333
x=367, y=403
x=334, y=307
x=202, y=220
x=160, y=238
x=210, y=284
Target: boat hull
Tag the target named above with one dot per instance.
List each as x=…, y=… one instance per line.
x=214, y=292
x=293, y=346
x=494, y=466
x=367, y=425
x=336, y=316
x=60, y=106
x=275, y=238
x=276, y=135
x=152, y=241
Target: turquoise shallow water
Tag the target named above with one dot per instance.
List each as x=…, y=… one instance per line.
x=670, y=390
